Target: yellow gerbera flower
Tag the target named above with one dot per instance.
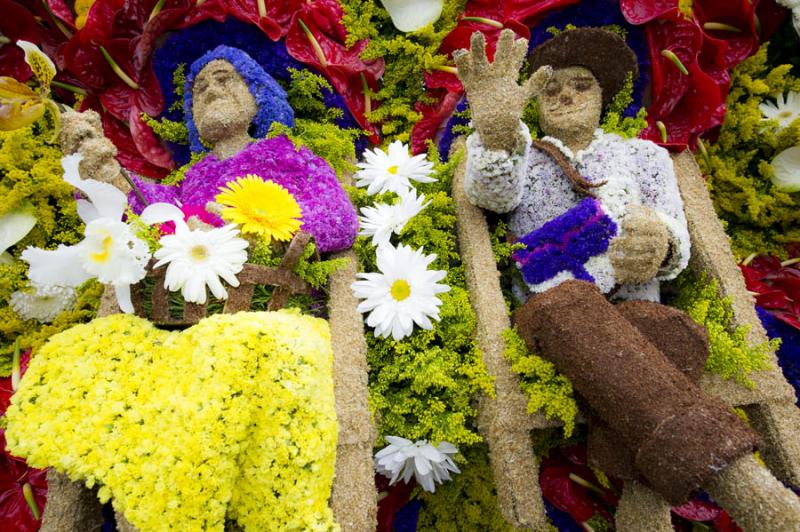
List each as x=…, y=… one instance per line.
x=260, y=207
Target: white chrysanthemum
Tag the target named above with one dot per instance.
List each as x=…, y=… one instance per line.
x=109, y=251
x=428, y=464
x=402, y=293
x=42, y=303
x=786, y=170
x=413, y=15
x=382, y=220
x=198, y=258
x=785, y=109
x=392, y=171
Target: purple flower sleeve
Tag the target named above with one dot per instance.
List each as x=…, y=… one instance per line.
x=327, y=215
x=566, y=243
x=153, y=193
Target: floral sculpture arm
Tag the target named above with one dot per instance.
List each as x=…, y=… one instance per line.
x=497, y=160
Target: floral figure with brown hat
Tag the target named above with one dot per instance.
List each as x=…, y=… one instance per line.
x=601, y=217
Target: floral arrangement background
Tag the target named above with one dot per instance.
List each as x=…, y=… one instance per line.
x=723, y=82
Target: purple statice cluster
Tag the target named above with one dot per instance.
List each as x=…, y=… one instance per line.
x=597, y=14
x=448, y=136
x=789, y=351
x=327, y=213
x=565, y=243
x=270, y=97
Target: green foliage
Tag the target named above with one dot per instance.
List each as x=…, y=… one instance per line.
x=407, y=57
x=167, y=129
x=30, y=172
x=625, y=126
x=468, y=502
x=422, y=386
x=760, y=218
x=178, y=175
x=545, y=388
x=306, y=99
x=172, y=130
x=326, y=140
x=316, y=272
x=730, y=355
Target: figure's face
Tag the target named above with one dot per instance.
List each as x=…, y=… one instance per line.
x=571, y=101
x=221, y=102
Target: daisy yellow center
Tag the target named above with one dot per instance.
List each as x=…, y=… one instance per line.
x=103, y=255
x=199, y=252
x=260, y=207
x=784, y=114
x=400, y=290
x=392, y=169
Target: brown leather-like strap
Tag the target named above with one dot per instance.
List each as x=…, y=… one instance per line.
x=579, y=183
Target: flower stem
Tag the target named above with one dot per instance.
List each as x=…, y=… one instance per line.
x=68, y=87
x=15, y=369
x=126, y=79
x=790, y=262
x=484, y=20
x=314, y=44
x=749, y=259
x=704, y=152
x=444, y=68
x=27, y=492
x=156, y=9
x=720, y=26
x=133, y=186
x=662, y=129
x=669, y=54
x=585, y=483
x=367, y=99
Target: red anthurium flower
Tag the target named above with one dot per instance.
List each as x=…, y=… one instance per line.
x=523, y=11
x=571, y=486
x=21, y=488
x=433, y=116
x=731, y=21
x=776, y=285
x=317, y=37
x=272, y=16
x=390, y=500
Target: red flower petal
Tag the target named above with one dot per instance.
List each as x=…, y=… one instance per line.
x=641, y=11
x=697, y=510
x=146, y=141
x=433, y=116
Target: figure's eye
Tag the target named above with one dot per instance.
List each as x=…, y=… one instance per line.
x=222, y=77
x=200, y=85
x=582, y=84
x=552, y=88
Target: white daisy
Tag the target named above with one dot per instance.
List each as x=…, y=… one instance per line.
x=42, y=303
x=786, y=170
x=428, y=464
x=109, y=252
x=392, y=171
x=383, y=220
x=198, y=258
x=785, y=109
x=402, y=293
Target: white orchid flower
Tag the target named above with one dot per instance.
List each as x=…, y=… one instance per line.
x=413, y=15
x=14, y=226
x=109, y=252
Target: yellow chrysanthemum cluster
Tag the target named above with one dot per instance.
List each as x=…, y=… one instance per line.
x=231, y=418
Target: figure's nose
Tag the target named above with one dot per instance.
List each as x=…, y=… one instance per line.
x=565, y=99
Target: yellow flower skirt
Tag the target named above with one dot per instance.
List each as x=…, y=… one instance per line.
x=232, y=418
